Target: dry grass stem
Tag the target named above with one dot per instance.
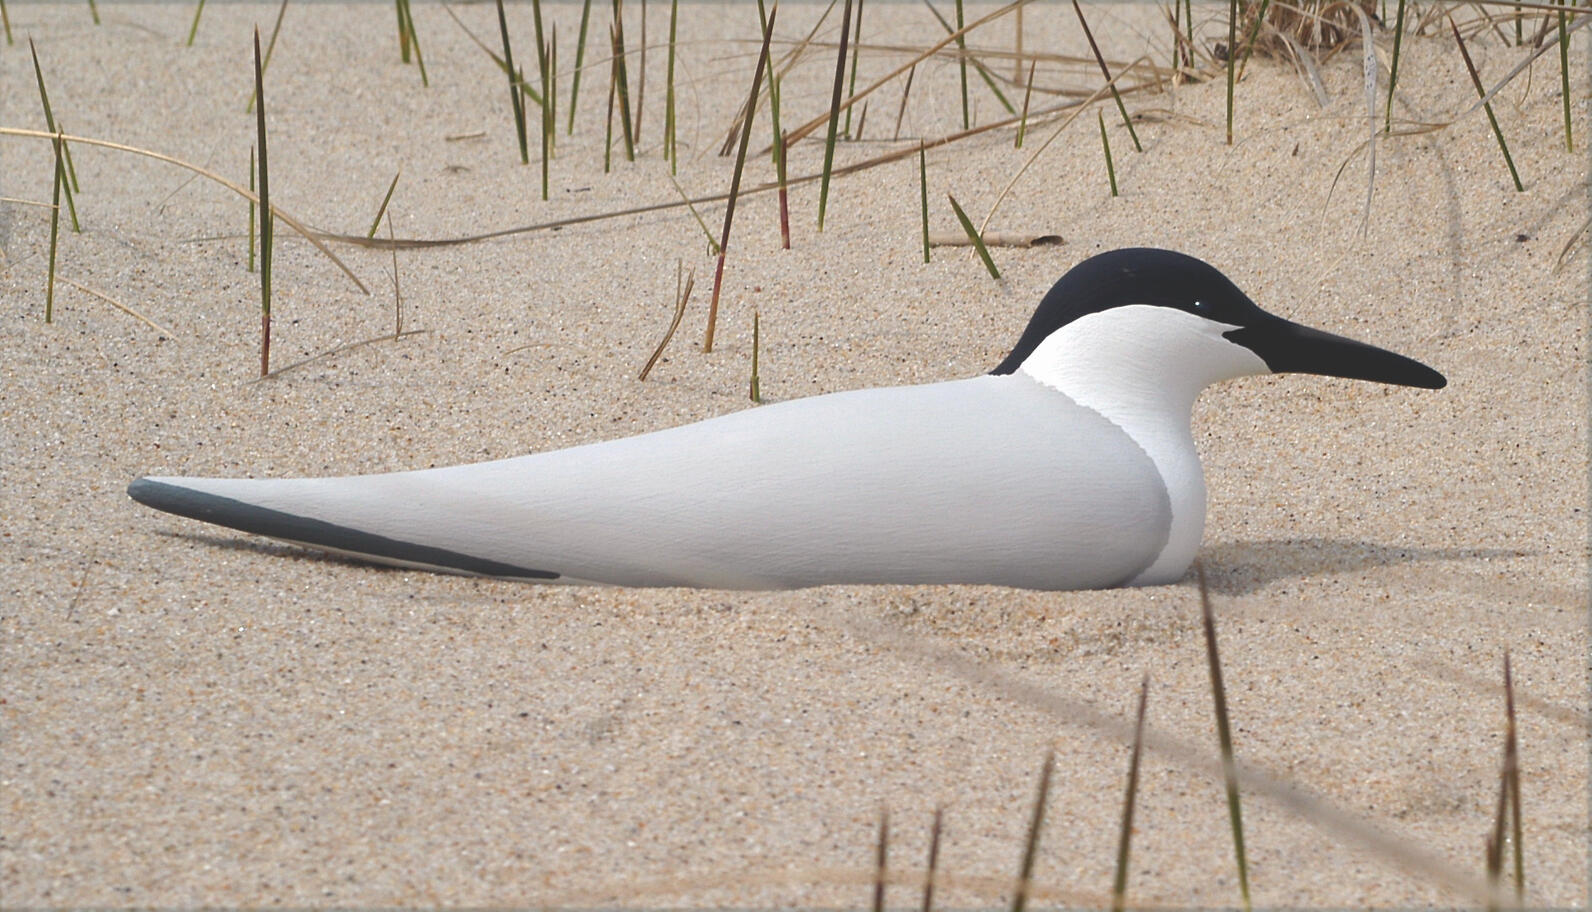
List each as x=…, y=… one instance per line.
x=124, y=308
x=680, y=298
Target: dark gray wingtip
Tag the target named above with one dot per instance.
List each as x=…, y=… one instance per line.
x=247, y=517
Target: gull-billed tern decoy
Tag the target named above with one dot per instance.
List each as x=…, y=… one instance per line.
x=1070, y=466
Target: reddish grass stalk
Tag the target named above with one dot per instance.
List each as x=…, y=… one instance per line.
x=784, y=198
x=735, y=181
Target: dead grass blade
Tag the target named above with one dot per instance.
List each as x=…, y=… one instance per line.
x=680, y=297
x=317, y=238
x=384, y=337
x=124, y=308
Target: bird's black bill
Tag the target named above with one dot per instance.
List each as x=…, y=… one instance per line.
x=1290, y=348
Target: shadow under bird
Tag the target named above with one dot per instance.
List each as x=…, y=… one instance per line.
x=1071, y=465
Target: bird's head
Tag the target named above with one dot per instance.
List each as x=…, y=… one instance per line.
x=1174, y=324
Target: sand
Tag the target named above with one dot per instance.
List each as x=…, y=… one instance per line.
x=195, y=717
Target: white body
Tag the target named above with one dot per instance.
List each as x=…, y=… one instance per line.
x=993, y=479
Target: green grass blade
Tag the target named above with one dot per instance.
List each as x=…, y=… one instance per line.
x=613, y=88
x=580, y=58
x=934, y=861
x=834, y=114
x=668, y=97
x=1025, y=875
x=973, y=235
x=1564, y=74
x=1232, y=56
x=778, y=151
x=978, y=66
x=1119, y=884
x=49, y=121
x=1393, y=68
x=881, y=854
x=1512, y=766
x=754, y=389
x=270, y=46
x=961, y=62
x=923, y=197
x=1254, y=32
x=1475, y=79
x=93, y=10
x=252, y=238
x=1028, y=93
x=1111, y=169
x=403, y=31
x=851, y=83
x=57, y=181
x=265, y=212
x=382, y=210
x=713, y=242
x=414, y=41
x=1224, y=734
x=515, y=99
x=192, y=29
x=1106, y=72
x=625, y=119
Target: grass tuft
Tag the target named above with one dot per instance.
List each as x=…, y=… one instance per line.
x=1492, y=118
x=1119, y=885
x=1025, y=874
x=834, y=113
x=973, y=235
x=735, y=179
x=1224, y=734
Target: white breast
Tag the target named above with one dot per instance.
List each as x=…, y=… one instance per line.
x=1141, y=367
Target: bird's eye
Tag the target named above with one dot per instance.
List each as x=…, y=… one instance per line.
x=1200, y=306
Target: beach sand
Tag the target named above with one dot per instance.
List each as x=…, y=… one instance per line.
x=191, y=716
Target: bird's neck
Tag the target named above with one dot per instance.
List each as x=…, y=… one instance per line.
x=1142, y=368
